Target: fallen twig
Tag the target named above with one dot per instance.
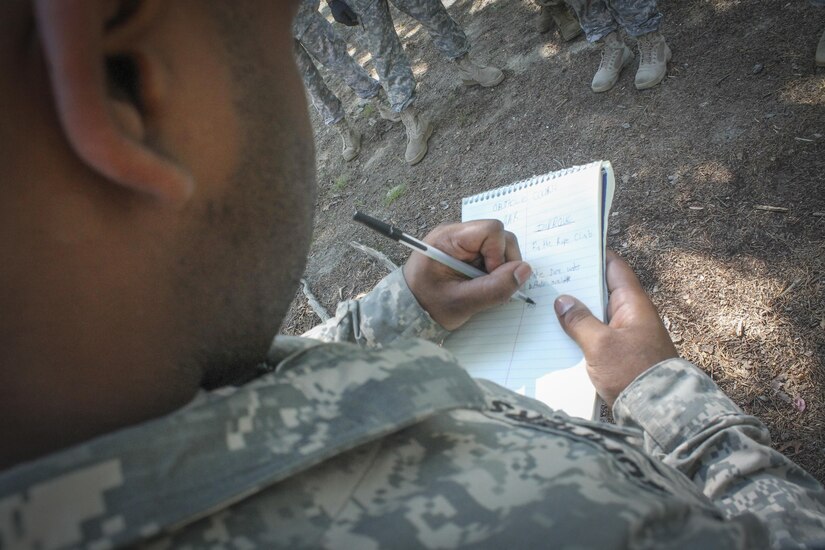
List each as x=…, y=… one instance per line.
x=375, y=254
x=789, y=288
x=313, y=302
x=718, y=82
x=767, y=208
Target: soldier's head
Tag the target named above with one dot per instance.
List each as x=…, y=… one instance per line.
x=156, y=171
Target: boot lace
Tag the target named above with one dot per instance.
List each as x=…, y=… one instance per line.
x=610, y=57
x=648, y=51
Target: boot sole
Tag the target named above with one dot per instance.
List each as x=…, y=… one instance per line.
x=423, y=153
x=652, y=83
x=477, y=83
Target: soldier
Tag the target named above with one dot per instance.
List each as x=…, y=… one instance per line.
x=156, y=211
x=603, y=20
x=393, y=67
x=315, y=37
x=559, y=12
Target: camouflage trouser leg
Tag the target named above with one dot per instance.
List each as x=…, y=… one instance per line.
x=448, y=37
x=306, y=10
x=324, y=101
x=324, y=44
x=601, y=17
x=391, y=62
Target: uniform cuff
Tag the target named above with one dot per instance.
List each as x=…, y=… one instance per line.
x=672, y=402
x=391, y=309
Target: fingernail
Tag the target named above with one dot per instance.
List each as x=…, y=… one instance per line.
x=563, y=305
x=522, y=273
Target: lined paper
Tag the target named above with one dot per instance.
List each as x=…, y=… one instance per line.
x=559, y=222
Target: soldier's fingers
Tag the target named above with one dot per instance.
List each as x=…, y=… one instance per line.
x=491, y=290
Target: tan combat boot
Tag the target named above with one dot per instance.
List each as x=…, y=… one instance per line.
x=351, y=137
x=419, y=131
x=820, y=51
x=472, y=73
x=566, y=21
x=615, y=55
x=545, y=20
x=654, y=54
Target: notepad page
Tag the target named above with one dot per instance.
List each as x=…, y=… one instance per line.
x=558, y=221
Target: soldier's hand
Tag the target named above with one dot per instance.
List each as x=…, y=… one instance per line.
x=342, y=13
x=633, y=340
x=450, y=297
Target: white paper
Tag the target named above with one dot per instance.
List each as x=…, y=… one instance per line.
x=558, y=222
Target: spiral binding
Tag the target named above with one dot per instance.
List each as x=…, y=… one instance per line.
x=524, y=184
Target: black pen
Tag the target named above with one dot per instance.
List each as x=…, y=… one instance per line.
x=427, y=250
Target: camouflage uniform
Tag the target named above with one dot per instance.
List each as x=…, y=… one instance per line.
x=550, y=3
x=360, y=446
x=391, y=62
x=315, y=36
x=601, y=17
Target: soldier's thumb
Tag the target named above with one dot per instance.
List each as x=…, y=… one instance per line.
x=577, y=321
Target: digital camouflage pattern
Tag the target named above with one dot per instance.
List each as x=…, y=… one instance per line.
x=367, y=446
x=550, y=3
x=391, y=63
x=314, y=36
x=599, y=18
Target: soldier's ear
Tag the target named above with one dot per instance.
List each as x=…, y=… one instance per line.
x=105, y=88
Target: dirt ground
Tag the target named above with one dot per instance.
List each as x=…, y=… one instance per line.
x=739, y=123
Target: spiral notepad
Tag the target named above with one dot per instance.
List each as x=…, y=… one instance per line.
x=560, y=220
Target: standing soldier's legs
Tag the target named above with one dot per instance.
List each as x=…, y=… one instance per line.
x=327, y=103
x=395, y=73
x=449, y=38
x=599, y=25
x=636, y=17
x=596, y=19
x=303, y=17
x=641, y=19
x=390, y=61
x=324, y=44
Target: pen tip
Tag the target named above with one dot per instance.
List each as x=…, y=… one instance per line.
x=530, y=301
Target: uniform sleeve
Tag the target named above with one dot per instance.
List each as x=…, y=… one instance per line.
x=689, y=424
x=388, y=312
